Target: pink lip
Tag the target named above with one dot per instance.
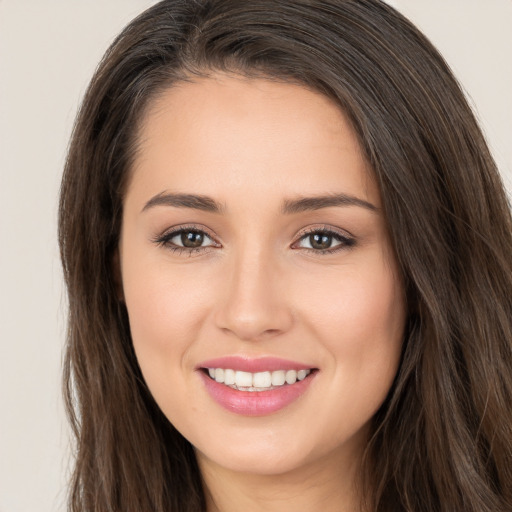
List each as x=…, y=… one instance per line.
x=254, y=403
x=246, y=364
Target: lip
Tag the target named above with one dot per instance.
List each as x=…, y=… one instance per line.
x=254, y=403
x=253, y=365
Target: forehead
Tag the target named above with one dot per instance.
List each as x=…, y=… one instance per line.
x=223, y=133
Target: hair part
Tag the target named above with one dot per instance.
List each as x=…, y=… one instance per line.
x=442, y=441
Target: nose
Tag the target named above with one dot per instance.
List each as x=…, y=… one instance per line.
x=254, y=305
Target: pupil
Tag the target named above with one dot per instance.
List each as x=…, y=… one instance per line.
x=192, y=239
x=320, y=241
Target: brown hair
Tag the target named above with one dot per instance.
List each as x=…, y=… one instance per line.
x=442, y=441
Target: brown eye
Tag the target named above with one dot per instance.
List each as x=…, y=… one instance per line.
x=192, y=239
x=324, y=241
x=320, y=241
x=187, y=239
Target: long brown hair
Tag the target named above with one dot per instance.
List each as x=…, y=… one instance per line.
x=442, y=441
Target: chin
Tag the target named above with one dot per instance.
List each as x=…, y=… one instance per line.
x=257, y=462
x=265, y=452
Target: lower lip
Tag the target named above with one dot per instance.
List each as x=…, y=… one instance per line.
x=256, y=403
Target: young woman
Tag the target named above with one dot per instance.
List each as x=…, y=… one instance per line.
x=287, y=252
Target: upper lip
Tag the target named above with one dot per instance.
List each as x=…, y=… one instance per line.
x=252, y=364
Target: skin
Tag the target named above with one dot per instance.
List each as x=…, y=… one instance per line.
x=257, y=287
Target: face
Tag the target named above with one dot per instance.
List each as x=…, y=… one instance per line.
x=263, y=296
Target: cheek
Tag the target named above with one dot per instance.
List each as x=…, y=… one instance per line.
x=361, y=300
x=166, y=311
x=164, y=322
x=360, y=321
x=159, y=311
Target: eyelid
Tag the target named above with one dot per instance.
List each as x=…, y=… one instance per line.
x=348, y=240
x=169, y=233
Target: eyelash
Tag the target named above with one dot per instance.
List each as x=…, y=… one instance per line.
x=346, y=241
x=164, y=240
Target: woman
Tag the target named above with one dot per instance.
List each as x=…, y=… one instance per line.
x=287, y=252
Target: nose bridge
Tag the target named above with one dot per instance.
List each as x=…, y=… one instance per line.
x=253, y=305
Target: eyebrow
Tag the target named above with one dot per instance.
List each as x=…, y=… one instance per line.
x=318, y=202
x=290, y=206
x=197, y=202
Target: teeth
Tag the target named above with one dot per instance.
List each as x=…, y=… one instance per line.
x=278, y=378
x=262, y=380
x=243, y=379
x=259, y=381
x=229, y=377
x=291, y=377
x=301, y=374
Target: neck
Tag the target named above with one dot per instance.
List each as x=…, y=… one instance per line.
x=329, y=485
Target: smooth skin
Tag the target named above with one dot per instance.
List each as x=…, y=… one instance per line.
x=316, y=283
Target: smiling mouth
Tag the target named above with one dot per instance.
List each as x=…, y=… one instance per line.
x=259, y=381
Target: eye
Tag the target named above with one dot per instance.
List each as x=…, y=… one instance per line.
x=324, y=241
x=187, y=240
x=191, y=239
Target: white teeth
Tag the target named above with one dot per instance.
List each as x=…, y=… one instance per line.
x=256, y=381
x=291, y=377
x=302, y=374
x=262, y=380
x=278, y=378
x=229, y=377
x=243, y=379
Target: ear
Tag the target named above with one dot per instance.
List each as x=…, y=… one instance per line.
x=117, y=276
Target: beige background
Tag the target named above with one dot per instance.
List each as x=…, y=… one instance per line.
x=48, y=51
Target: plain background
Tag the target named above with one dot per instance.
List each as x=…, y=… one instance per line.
x=48, y=52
